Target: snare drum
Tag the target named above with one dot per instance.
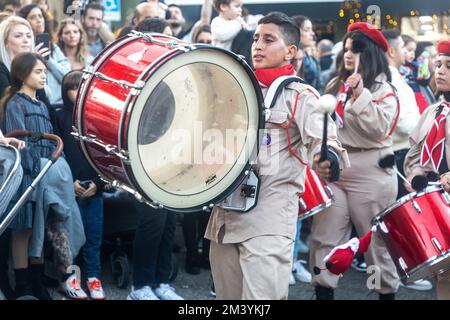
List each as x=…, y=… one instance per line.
x=174, y=124
x=416, y=230
x=316, y=197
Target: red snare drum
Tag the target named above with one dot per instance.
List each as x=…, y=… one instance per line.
x=316, y=197
x=174, y=124
x=416, y=230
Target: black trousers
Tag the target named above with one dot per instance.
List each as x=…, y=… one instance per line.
x=194, y=227
x=152, y=247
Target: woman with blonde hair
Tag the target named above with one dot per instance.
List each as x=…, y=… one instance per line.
x=72, y=41
x=69, y=53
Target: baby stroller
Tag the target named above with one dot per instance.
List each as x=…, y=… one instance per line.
x=11, y=176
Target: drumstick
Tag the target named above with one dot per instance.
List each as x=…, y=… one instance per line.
x=326, y=104
x=356, y=63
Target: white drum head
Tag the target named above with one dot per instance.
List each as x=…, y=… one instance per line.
x=193, y=128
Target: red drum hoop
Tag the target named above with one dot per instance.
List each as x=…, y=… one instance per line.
x=145, y=91
x=416, y=230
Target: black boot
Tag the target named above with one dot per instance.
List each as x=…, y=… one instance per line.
x=37, y=284
x=192, y=262
x=5, y=286
x=323, y=293
x=23, y=287
x=387, y=296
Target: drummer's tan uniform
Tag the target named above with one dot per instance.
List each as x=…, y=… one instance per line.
x=413, y=168
x=251, y=253
x=363, y=190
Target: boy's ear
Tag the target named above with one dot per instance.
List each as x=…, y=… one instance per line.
x=292, y=52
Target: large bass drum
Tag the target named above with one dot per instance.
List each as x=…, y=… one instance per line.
x=175, y=124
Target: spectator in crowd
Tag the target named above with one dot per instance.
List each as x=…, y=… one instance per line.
x=142, y=11
x=92, y=19
x=202, y=34
x=205, y=19
x=36, y=17
x=311, y=65
x=10, y=7
x=45, y=6
x=177, y=21
x=53, y=209
x=154, y=237
x=325, y=47
x=226, y=26
x=420, y=84
x=88, y=190
x=69, y=53
x=71, y=41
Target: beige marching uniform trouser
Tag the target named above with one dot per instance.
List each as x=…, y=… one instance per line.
x=362, y=191
x=256, y=269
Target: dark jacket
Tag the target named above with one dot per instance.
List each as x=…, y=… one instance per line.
x=62, y=120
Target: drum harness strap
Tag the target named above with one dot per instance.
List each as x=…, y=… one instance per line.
x=275, y=89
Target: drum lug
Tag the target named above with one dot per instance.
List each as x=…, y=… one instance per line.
x=416, y=206
x=125, y=84
x=446, y=197
x=90, y=138
x=382, y=226
x=302, y=204
x=329, y=192
x=403, y=265
x=437, y=244
x=137, y=195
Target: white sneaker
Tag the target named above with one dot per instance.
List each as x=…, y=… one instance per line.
x=144, y=293
x=166, y=292
x=303, y=247
x=95, y=289
x=72, y=288
x=300, y=272
x=292, y=279
x=419, y=285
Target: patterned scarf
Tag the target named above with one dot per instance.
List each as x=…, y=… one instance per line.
x=344, y=95
x=433, y=148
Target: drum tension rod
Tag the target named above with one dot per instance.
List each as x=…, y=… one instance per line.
x=148, y=37
x=125, y=84
x=111, y=149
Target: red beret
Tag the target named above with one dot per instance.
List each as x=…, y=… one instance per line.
x=374, y=34
x=443, y=47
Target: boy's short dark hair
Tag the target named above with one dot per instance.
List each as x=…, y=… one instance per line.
x=218, y=3
x=72, y=80
x=93, y=6
x=392, y=36
x=288, y=28
x=152, y=25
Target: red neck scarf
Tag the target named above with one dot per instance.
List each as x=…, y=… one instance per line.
x=267, y=76
x=433, y=148
x=344, y=92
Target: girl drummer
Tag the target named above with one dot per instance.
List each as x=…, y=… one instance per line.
x=366, y=115
x=427, y=154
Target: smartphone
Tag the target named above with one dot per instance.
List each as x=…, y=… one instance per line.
x=45, y=39
x=85, y=184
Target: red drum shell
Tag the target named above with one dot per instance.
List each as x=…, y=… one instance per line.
x=316, y=197
x=416, y=230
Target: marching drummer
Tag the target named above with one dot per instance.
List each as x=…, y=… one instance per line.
x=430, y=143
x=251, y=253
x=366, y=114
